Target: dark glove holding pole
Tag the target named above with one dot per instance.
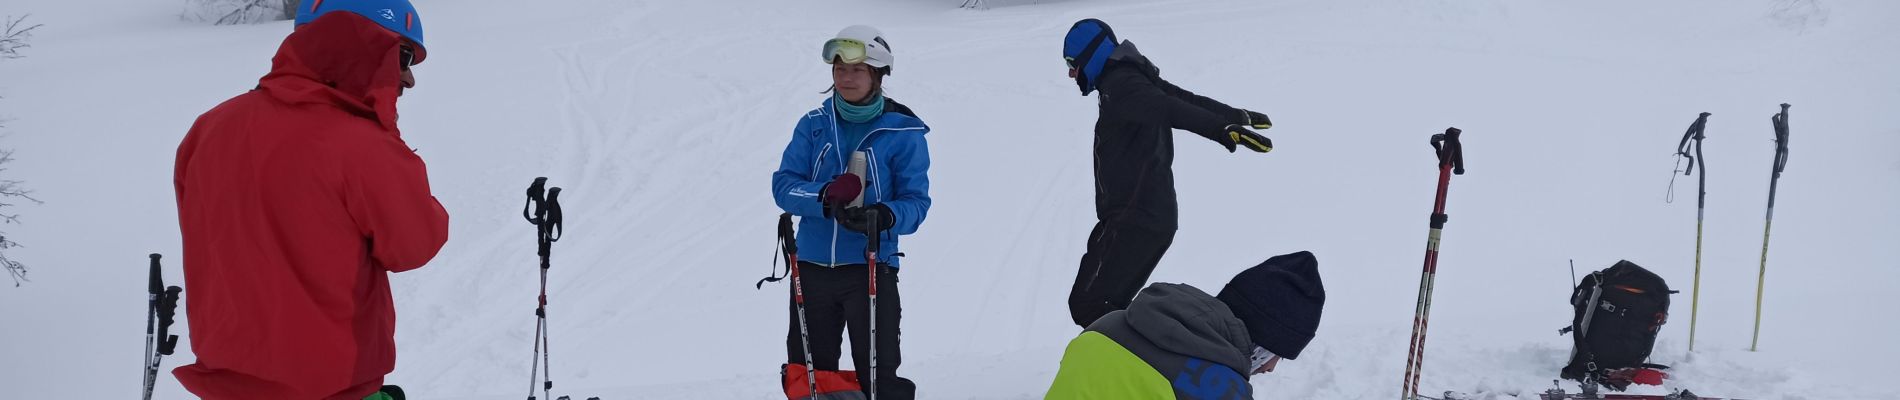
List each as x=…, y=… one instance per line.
x=1255, y=120
x=858, y=219
x=839, y=193
x=1235, y=136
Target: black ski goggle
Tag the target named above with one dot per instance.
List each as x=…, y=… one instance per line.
x=406, y=56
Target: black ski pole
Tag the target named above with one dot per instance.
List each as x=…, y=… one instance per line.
x=543, y=209
x=161, y=307
x=1780, y=122
x=1693, y=139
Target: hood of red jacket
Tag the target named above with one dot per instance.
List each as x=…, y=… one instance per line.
x=340, y=59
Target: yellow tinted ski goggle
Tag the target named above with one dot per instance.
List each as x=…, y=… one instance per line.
x=847, y=51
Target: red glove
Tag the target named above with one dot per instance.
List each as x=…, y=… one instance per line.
x=841, y=191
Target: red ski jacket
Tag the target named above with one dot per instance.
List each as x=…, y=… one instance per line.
x=295, y=200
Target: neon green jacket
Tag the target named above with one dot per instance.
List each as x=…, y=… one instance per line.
x=1173, y=342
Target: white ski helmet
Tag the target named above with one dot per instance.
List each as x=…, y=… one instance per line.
x=860, y=44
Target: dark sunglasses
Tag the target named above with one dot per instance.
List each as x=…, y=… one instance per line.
x=407, y=57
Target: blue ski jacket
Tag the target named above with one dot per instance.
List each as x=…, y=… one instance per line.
x=896, y=175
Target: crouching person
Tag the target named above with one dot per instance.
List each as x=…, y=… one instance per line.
x=1177, y=342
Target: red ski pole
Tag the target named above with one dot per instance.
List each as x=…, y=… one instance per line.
x=1451, y=161
x=789, y=241
x=870, y=262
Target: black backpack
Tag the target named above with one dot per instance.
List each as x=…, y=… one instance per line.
x=1619, y=311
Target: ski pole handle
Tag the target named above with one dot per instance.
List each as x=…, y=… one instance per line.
x=543, y=208
x=1450, y=150
x=1456, y=148
x=167, y=309
x=1693, y=134
x=553, y=208
x=535, y=198
x=785, y=233
x=1781, y=139
x=535, y=189
x=164, y=305
x=156, y=286
x=874, y=218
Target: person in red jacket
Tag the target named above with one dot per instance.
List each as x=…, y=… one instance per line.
x=295, y=201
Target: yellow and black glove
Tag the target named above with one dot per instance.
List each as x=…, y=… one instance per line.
x=1256, y=120
x=1239, y=136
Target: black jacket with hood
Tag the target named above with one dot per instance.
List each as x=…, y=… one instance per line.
x=1134, y=142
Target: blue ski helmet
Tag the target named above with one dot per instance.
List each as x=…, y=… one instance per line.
x=1086, y=49
x=396, y=15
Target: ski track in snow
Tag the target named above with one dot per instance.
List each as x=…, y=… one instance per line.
x=662, y=121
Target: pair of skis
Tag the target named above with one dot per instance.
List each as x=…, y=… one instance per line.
x=1693, y=140
x=1587, y=392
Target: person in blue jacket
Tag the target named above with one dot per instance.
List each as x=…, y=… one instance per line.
x=839, y=204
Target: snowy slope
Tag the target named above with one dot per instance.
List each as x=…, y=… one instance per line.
x=663, y=119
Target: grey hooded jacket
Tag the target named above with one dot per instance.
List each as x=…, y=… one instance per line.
x=1188, y=336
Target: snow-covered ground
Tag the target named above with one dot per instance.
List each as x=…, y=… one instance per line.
x=663, y=119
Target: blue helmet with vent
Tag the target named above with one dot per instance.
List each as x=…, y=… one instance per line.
x=396, y=15
x=1086, y=49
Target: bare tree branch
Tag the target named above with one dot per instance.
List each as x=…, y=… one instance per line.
x=233, y=12
x=1799, y=15
x=14, y=268
x=238, y=15
x=14, y=37
x=289, y=9
x=12, y=189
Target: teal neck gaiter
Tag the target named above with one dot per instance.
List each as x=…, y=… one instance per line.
x=856, y=113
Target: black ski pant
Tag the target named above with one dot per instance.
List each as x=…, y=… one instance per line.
x=1119, y=259
x=838, y=299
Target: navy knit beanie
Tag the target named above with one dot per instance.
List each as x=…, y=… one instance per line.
x=1279, y=301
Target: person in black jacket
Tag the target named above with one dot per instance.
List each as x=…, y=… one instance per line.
x=1134, y=155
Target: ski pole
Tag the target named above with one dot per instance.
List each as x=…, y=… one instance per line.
x=789, y=241
x=1451, y=160
x=545, y=205
x=161, y=305
x=1693, y=138
x=151, y=314
x=1780, y=122
x=870, y=262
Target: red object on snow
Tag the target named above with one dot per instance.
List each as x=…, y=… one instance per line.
x=838, y=385
x=1642, y=376
x=1648, y=376
x=295, y=200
